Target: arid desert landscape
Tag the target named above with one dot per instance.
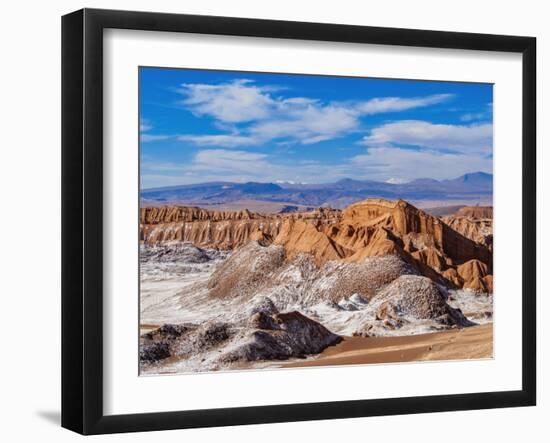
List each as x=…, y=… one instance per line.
x=298, y=220
x=379, y=281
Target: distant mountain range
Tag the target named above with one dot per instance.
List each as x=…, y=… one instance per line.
x=472, y=186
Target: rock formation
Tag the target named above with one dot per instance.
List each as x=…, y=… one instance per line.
x=264, y=336
x=410, y=300
x=369, y=228
x=479, y=230
x=415, y=297
x=280, y=337
x=475, y=212
x=255, y=269
x=299, y=236
x=174, y=214
x=246, y=270
x=245, y=287
x=217, y=229
x=475, y=275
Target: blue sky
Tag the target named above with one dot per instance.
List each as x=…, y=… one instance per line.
x=199, y=126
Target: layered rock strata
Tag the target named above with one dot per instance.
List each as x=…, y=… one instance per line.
x=370, y=228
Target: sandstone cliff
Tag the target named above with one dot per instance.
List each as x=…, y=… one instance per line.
x=370, y=228
x=217, y=229
x=475, y=212
x=479, y=230
x=415, y=228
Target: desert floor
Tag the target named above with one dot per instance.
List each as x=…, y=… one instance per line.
x=469, y=343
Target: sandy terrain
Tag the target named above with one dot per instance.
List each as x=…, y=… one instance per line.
x=468, y=343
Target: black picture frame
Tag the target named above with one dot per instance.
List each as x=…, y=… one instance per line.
x=82, y=218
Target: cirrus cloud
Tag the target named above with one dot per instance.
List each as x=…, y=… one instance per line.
x=225, y=140
x=396, y=104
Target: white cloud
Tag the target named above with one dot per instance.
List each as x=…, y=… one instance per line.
x=144, y=125
x=487, y=114
x=222, y=140
x=307, y=124
x=207, y=165
x=396, y=180
x=237, y=101
x=265, y=117
x=393, y=165
x=409, y=165
x=473, y=116
x=477, y=138
x=222, y=155
x=228, y=162
x=241, y=166
x=154, y=137
x=250, y=115
x=396, y=104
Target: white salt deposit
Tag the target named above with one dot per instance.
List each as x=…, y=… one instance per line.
x=174, y=290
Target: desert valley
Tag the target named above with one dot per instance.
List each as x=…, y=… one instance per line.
x=297, y=283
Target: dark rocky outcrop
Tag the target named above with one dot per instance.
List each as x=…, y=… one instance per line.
x=156, y=345
x=280, y=337
x=182, y=340
x=184, y=252
x=154, y=352
x=263, y=336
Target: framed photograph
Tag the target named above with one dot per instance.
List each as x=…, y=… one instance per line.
x=269, y=221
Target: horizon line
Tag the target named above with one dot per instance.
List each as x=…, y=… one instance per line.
x=293, y=182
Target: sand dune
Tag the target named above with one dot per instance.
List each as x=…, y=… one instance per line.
x=468, y=343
